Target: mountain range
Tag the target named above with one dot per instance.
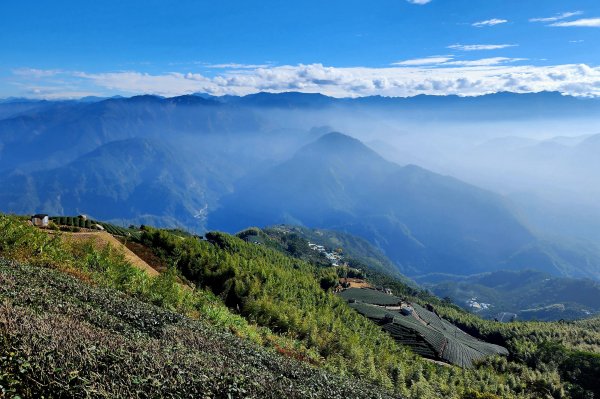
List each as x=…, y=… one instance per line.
x=226, y=163
x=423, y=221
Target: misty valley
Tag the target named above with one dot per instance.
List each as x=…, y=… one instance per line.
x=498, y=199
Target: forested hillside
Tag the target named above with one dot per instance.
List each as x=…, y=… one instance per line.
x=261, y=295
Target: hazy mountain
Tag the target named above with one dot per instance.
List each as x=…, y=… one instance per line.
x=134, y=180
x=423, y=221
x=554, y=181
x=107, y=157
x=67, y=130
x=529, y=294
x=12, y=107
x=283, y=100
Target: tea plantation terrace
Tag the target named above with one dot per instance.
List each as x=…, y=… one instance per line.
x=426, y=333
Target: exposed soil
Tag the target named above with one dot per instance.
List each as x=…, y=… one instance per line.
x=356, y=283
x=101, y=238
x=147, y=255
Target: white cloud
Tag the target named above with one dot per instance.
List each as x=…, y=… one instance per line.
x=448, y=60
x=485, y=61
x=425, y=61
x=490, y=22
x=135, y=82
x=236, y=66
x=36, y=73
x=419, y=2
x=558, y=17
x=477, y=47
x=584, y=22
x=465, y=78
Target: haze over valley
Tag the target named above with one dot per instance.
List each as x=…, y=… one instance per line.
x=433, y=182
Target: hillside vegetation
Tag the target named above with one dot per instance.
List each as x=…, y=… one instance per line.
x=313, y=344
x=284, y=293
x=64, y=338
x=356, y=253
x=82, y=322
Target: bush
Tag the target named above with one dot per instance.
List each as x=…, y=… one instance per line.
x=60, y=338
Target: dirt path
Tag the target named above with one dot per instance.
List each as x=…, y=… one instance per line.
x=102, y=238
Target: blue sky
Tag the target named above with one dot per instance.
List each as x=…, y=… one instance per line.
x=344, y=48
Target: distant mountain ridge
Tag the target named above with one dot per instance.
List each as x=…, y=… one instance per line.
x=88, y=123
x=532, y=295
x=231, y=162
x=423, y=221
x=126, y=180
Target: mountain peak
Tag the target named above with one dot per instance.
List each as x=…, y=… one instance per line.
x=341, y=148
x=336, y=141
x=338, y=138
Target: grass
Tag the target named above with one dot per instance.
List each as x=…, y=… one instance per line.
x=81, y=321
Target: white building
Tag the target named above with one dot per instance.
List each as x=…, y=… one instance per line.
x=40, y=220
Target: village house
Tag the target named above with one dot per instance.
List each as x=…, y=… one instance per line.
x=40, y=220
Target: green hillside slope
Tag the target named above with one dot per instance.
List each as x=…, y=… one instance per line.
x=60, y=337
x=353, y=251
x=113, y=327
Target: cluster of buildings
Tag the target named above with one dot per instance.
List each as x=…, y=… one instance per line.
x=333, y=257
x=476, y=306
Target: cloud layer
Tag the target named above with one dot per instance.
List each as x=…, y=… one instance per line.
x=479, y=47
x=583, y=22
x=558, y=17
x=490, y=22
x=433, y=60
x=465, y=78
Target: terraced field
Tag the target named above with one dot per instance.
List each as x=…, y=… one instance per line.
x=424, y=331
x=370, y=296
x=74, y=221
x=62, y=338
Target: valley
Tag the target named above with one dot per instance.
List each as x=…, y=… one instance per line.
x=528, y=294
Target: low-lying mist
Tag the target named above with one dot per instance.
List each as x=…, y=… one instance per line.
x=548, y=166
x=539, y=151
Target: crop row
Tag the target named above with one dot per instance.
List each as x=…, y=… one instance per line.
x=77, y=221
